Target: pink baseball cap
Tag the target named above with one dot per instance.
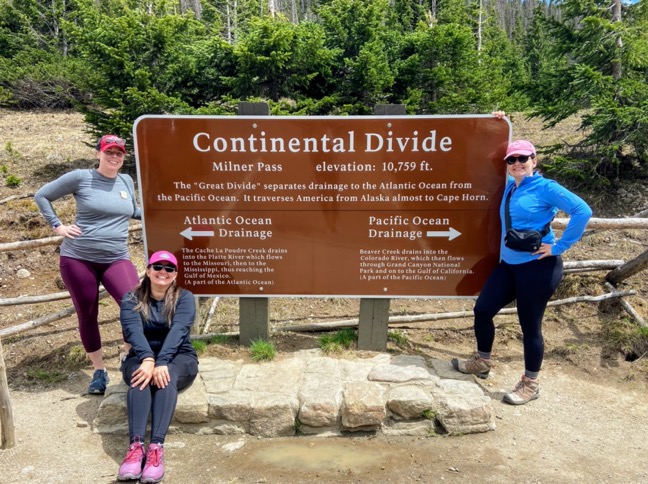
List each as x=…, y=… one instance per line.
x=111, y=141
x=163, y=256
x=520, y=147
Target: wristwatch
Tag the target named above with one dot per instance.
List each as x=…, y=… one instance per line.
x=56, y=225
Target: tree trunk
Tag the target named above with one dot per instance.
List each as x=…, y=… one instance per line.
x=616, y=62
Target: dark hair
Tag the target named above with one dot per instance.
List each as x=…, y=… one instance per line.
x=142, y=294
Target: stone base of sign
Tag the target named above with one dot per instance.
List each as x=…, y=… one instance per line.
x=313, y=394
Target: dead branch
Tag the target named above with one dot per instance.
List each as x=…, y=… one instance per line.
x=14, y=301
x=628, y=307
x=57, y=296
x=34, y=323
x=571, y=267
x=7, y=437
x=16, y=197
x=606, y=223
x=210, y=314
x=628, y=269
x=350, y=323
x=30, y=244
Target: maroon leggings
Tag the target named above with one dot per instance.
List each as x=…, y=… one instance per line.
x=82, y=279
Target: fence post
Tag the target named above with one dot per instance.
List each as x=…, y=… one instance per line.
x=254, y=321
x=7, y=437
x=374, y=312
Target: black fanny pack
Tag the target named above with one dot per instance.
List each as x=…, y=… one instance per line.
x=522, y=240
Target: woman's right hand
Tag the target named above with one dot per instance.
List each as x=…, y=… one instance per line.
x=69, y=231
x=499, y=114
x=143, y=375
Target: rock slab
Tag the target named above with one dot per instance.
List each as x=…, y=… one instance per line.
x=314, y=394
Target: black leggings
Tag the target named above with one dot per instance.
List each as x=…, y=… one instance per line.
x=531, y=284
x=160, y=403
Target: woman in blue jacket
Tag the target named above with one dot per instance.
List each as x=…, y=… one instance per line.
x=156, y=320
x=528, y=276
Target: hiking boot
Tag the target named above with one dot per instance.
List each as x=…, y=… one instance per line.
x=131, y=467
x=526, y=390
x=475, y=365
x=99, y=382
x=154, y=468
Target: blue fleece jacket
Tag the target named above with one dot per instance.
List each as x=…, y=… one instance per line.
x=533, y=205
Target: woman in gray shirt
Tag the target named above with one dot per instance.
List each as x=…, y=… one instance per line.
x=95, y=246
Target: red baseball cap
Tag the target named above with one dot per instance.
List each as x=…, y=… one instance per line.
x=111, y=141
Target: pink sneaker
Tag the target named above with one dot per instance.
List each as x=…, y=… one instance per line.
x=131, y=467
x=154, y=468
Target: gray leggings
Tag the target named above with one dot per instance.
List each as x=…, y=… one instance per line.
x=160, y=403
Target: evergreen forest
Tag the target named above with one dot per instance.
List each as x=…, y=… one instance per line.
x=114, y=60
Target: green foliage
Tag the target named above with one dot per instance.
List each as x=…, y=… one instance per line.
x=626, y=337
x=199, y=345
x=41, y=376
x=338, y=341
x=141, y=61
x=12, y=181
x=222, y=339
x=398, y=337
x=116, y=60
x=10, y=151
x=76, y=356
x=261, y=350
x=598, y=71
x=298, y=426
x=429, y=414
x=275, y=58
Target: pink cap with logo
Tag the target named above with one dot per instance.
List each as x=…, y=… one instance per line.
x=163, y=256
x=520, y=147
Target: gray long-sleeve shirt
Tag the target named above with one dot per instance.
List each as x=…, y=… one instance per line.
x=104, y=208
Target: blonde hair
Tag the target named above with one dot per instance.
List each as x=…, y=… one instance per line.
x=142, y=294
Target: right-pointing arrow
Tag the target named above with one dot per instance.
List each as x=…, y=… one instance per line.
x=451, y=233
x=189, y=233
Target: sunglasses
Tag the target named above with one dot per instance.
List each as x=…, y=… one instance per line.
x=159, y=267
x=109, y=140
x=522, y=159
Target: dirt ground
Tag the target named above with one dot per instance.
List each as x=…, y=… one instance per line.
x=588, y=426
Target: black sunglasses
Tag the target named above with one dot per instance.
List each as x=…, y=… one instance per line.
x=159, y=267
x=522, y=159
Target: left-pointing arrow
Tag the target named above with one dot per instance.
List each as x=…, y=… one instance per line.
x=190, y=233
x=451, y=233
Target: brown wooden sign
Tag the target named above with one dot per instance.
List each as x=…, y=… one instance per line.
x=343, y=206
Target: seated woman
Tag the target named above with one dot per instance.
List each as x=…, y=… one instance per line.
x=156, y=319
